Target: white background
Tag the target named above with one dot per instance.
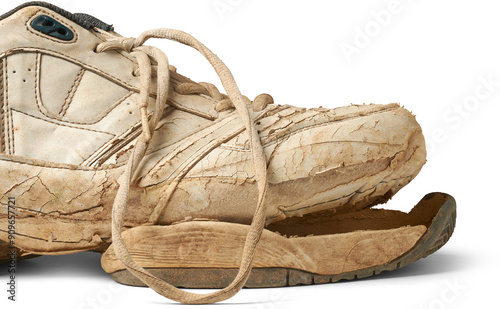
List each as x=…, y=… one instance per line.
x=428, y=55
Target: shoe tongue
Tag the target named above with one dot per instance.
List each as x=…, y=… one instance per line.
x=84, y=20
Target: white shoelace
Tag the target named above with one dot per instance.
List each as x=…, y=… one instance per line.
x=144, y=55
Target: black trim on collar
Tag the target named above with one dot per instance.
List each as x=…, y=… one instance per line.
x=84, y=20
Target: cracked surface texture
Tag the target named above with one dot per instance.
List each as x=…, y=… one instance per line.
x=69, y=119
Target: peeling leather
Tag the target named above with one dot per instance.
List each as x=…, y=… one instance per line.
x=343, y=159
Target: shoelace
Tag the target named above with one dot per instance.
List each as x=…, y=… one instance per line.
x=144, y=56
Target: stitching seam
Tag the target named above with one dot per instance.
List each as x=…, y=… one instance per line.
x=60, y=166
x=2, y=124
x=61, y=124
x=103, y=74
x=71, y=92
x=12, y=133
x=42, y=109
x=7, y=113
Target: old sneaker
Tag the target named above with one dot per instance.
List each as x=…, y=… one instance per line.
x=104, y=147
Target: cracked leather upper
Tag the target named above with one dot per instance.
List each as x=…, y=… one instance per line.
x=69, y=118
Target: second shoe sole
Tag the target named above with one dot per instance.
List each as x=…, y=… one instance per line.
x=206, y=254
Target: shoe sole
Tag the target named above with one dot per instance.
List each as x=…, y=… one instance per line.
x=435, y=237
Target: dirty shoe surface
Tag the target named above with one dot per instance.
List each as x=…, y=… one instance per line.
x=106, y=147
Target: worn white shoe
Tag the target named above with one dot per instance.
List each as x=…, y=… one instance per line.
x=104, y=147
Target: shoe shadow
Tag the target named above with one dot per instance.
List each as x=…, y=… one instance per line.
x=83, y=265
x=437, y=263
x=88, y=265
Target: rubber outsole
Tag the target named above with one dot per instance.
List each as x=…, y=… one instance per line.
x=436, y=236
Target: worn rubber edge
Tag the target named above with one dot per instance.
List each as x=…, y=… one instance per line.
x=436, y=236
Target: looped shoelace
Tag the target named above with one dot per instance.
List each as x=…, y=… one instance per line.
x=144, y=56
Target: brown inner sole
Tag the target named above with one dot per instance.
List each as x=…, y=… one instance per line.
x=328, y=222
x=437, y=211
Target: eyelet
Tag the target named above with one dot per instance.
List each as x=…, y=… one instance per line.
x=51, y=27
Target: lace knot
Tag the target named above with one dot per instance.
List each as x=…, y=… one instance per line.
x=146, y=56
x=125, y=44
